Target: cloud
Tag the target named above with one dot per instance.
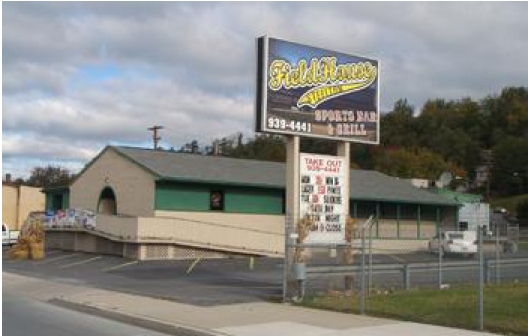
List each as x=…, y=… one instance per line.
x=88, y=74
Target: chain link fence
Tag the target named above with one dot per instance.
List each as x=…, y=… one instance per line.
x=366, y=265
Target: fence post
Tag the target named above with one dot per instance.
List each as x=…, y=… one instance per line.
x=370, y=260
x=285, y=261
x=481, y=279
x=406, y=277
x=440, y=255
x=487, y=271
x=362, y=300
x=497, y=253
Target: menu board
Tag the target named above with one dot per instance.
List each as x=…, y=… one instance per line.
x=323, y=193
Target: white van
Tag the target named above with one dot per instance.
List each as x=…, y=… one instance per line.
x=455, y=242
x=8, y=237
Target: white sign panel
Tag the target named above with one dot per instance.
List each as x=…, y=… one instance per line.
x=323, y=193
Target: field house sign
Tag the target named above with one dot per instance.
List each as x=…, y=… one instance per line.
x=315, y=92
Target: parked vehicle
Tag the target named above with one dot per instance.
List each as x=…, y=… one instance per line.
x=9, y=237
x=455, y=242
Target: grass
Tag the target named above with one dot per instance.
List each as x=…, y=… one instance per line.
x=510, y=203
x=505, y=307
x=523, y=246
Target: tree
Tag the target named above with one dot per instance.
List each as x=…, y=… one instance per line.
x=419, y=163
x=510, y=164
x=49, y=176
x=398, y=126
x=522, y=213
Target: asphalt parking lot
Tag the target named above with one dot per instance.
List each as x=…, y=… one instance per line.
x=217, y=281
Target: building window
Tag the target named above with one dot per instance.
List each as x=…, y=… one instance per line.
x=216, y=200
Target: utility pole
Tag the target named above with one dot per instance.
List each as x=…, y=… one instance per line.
x=155, y=137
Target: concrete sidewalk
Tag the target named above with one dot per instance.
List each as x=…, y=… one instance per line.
x=249, y=319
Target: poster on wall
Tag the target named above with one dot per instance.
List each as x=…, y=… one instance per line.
x=323, y=193
x=313, y=92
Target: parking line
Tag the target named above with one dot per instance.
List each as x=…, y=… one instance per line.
x=120, y=266
x=82, y=262
x=47, y=261
x=194, y=263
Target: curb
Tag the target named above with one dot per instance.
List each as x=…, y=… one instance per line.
x=137, y=320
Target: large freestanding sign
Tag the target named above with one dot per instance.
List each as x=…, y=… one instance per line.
x=323, y=191
x=313, y=92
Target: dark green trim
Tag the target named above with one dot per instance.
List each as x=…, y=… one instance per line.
x=398, y=215
x=250, y=200
x=49, y=203
x=385, y=200
x=219, y=182
x=355, y=209
x=171, y=197
x=55, y=189
x=179, y=196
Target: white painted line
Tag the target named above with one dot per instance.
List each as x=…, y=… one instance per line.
x=82, y=262
x=47, y=261
x=120, y=266
x=191, y=267
x=52, y=252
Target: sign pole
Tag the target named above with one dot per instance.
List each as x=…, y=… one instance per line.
x=292, y=205
x=343, y=150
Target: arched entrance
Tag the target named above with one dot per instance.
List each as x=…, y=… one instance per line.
x=107, y=202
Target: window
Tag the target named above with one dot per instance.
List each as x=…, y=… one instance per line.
x=216, y=200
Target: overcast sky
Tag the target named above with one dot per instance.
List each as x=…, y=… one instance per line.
x=79, y=76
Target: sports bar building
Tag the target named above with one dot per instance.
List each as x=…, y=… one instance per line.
x=159, y=204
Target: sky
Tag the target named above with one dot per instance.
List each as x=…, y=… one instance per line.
x=79, y=76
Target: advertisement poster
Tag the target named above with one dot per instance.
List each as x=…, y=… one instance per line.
x=314, y=92
x=323, y=193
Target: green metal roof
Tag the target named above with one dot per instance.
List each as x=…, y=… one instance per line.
x=459, y=197
x=365, y=184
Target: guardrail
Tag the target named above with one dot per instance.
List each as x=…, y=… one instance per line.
x=406, y=269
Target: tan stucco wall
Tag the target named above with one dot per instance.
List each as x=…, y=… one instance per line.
x=268, y=223
x=18, y=202
x=133, y=186
x=9, y=206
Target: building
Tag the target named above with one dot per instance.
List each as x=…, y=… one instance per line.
x=17, y=202
x=472, y=212
x=220, y=203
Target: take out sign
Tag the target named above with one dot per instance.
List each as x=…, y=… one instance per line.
x=315, y=164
